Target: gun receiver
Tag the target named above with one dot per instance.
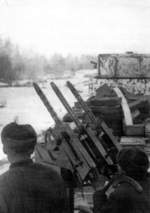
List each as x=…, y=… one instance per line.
x=90, y=138
x=79, y=158
x=104, y=133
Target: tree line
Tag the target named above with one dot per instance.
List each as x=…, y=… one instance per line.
x=18, y=65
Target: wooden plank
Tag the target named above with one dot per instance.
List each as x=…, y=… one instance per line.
x=132, y=141
x=107, y=110
x=105, y=101
x=135, y=130
x=138, y=103
x=125, y=107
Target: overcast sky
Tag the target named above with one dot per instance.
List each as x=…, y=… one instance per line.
x=77, y=26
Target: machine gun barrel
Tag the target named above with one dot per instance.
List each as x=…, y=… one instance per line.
x=81, y=102
x=88, y=131
x=46, y=103
x=92, y=118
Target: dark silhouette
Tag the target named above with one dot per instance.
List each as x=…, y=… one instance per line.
x=130, y=191
x=28, y=187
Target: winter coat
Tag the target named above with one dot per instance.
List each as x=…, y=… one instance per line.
x=29, y=187
x=125, y=195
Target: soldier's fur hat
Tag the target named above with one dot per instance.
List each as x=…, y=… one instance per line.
x=134, y=162
x=18, y=138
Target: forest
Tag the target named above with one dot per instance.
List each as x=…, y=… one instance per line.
x=17, y=64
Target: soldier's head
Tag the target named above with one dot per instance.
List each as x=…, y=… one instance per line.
x=134, y=162
x=18, y=139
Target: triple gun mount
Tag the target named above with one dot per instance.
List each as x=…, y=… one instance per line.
x=91, y=150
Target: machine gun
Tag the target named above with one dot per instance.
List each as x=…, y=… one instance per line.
x=91, y=139
x=103, y=131
x=81, y=161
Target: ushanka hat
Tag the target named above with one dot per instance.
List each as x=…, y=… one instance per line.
x=18, y=138
x=134, y=162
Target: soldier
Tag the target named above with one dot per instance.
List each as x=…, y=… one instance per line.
x=129, y=191
x=28, y=187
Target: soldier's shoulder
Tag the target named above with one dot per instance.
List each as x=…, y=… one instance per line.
x=125, y=186
x=4, y=178
x=48, y=170
x=4, y=175
x=148, y=176
x=47, y=167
